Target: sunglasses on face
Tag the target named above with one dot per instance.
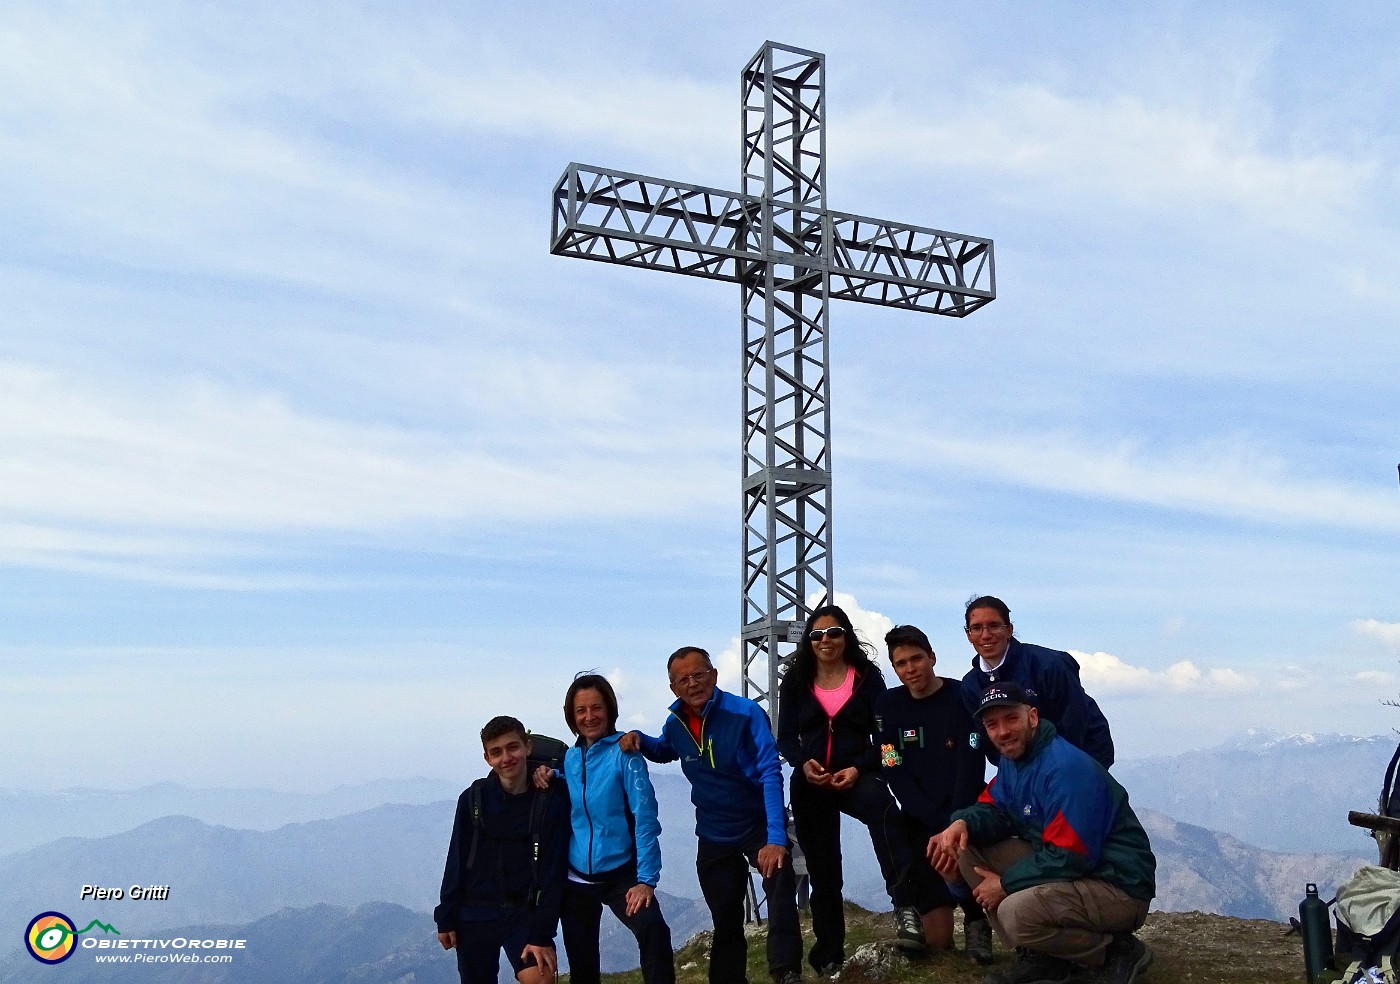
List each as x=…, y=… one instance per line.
x=835, y=632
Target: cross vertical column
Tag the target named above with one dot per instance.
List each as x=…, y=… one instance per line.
x=791, y=257
x=784, y=290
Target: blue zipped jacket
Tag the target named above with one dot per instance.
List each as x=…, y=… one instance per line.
x=612, y=811
x=736, y=779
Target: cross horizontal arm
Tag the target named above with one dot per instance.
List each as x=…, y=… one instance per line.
x=635, y=220
x=618, y=217
x=876, y=261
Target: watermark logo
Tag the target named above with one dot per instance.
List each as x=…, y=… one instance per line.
x=50, y=937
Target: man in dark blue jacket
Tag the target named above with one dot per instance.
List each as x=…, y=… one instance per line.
x=1050, y=675
x=725, y=744
x=506, y=862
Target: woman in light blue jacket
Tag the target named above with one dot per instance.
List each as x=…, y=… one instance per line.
x=614, y=850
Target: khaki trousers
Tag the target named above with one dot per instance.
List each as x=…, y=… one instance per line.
x=1073, y=920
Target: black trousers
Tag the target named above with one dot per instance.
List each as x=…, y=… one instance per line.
x=816, y=811
x=925, y=883
x=580, y=917
x=724, y=876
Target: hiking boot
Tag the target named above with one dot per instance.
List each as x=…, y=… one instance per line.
x=1125, y=960
x=1033, y=968
x=909, y=930
x=830, y=969
x=787, y=977
x=977, y=941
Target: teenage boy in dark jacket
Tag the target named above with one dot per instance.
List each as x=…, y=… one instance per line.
x=1053, y=852
x=930, y=759
x=725, y=745
x=505, y=867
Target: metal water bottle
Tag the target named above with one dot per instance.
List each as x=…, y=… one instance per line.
x=1317, y=933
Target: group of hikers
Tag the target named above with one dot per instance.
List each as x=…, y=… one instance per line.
x=1049, y=854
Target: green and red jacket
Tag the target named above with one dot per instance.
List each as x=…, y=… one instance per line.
x=1073, y=814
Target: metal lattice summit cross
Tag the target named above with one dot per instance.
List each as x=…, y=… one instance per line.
x=791, y=257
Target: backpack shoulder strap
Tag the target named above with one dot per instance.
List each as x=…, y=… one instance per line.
x=538, y=811
x=474, y=800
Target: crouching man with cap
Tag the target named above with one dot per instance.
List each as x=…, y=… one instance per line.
x=1053, y=852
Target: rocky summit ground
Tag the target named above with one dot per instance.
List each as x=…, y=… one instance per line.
x=1193, y=947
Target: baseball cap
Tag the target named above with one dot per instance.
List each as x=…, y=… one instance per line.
x=1004, y=695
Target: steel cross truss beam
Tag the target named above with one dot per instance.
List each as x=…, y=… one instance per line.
x=791, y=256
x=634, y=220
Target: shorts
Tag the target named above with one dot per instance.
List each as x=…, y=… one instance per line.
x=479, y=946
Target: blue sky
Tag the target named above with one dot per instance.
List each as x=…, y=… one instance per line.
x=311, y=457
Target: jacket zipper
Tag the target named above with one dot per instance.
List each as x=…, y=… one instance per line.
x=831, y=720
x=700, y=743
x=583, y=759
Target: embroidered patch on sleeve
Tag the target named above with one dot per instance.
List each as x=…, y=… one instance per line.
x=889, y=758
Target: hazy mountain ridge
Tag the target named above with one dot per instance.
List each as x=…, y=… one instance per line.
x=1201, y=870
x=1281, y=792
x=393, y=853
x=29, y=818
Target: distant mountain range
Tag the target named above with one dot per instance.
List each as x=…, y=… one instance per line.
x=1283, y=792
x=29, y=818
x=393, y=853
x=1201, y=870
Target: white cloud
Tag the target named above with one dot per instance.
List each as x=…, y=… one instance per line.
x=1376, y=678
x=1214, y=479
x=1120, y=147
x=1388, y=633
x=1104, y=673
x=871, y=626
x=97, y=474
x=125, y=144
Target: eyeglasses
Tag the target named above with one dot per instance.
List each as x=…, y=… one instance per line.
x=835, y=632
x=980, y=627
x=690, y=678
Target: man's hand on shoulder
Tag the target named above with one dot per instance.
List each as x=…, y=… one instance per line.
x=630, y=742
x=770, y=859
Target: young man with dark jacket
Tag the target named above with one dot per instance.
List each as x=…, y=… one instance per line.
x=1053, y=852
x=505, y=868
x=930, y=759
x=725, y=745
x=1049, y=675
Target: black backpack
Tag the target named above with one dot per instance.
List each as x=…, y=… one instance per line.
x=544, y=750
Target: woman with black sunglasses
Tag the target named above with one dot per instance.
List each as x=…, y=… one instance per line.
x=826, y=716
